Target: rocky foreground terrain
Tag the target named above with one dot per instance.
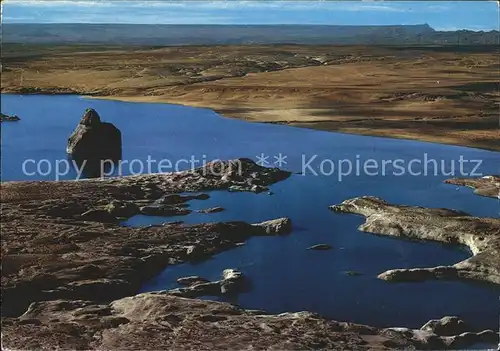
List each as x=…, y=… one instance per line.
x=71, y=273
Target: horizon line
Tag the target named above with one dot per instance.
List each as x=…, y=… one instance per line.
x=249, y=25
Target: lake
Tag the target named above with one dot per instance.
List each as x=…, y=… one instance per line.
x=285, y=276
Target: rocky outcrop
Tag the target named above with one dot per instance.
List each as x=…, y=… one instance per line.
x=449, y=332
x=481, y=235
x=485, y=186
x=419, y=274
x=232, y=283
x=94, y=141
x=7, y=118
x=274, y=226
x=446, y=326
x=241, y=174
x=427, y=340
x=212, y=210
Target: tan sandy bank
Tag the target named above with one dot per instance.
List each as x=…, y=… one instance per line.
x=445, y=95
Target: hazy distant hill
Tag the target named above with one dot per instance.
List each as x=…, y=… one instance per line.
x=141, y=34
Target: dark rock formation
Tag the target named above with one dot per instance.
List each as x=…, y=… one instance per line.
x=485, y=186
x=481, y=235
x=7, y=118
x=94, y=141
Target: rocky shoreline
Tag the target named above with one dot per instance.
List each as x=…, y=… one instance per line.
x=488, y=186
x=71, y=272
x=64, y=239
x=480, y=235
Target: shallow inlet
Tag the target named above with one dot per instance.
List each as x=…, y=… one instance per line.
x=284, y=274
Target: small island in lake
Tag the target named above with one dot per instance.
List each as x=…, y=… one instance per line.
x=7, y=118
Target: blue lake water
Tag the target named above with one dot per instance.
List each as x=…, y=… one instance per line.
x=285, y=276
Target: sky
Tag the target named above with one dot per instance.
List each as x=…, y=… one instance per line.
x=441, y=15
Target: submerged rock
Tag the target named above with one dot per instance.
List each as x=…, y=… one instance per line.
x=164, y=210
x=353, y=273
x=320, y=247
x=419, y=274
x=94, y=141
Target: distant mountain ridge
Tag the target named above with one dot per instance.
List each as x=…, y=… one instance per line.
x=145, y=34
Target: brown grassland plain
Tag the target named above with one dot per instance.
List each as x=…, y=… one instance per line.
x=439, y=94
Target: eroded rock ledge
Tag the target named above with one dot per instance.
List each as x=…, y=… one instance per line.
x=63, y=240
x=159, y=321
x=485, y=186
x=481, y=235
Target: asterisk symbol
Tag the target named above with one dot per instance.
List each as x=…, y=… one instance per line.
x=262, y=159
x=280, y=160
